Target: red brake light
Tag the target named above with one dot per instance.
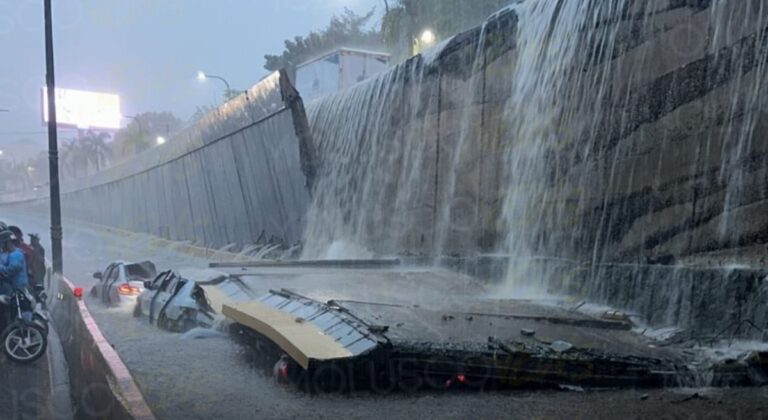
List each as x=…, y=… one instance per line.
x=127, y=290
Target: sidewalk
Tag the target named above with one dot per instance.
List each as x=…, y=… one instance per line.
x=25, y=390
x=36, y=391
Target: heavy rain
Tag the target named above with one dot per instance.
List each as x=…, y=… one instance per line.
x=383, y=209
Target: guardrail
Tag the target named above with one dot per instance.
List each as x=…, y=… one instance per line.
x=101, y=384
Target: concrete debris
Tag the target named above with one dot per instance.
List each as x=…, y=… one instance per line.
x=527, y=332
x=560, y=346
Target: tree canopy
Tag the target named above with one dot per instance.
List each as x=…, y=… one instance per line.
x=140, y=134
x=405, y=20
x=347, y=29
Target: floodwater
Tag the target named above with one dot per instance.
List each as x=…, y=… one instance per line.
x=209, y=377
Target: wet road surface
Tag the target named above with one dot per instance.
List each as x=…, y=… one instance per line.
x=209, y=378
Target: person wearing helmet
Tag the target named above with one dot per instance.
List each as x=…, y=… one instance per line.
x=13, y=268
x=25, y=249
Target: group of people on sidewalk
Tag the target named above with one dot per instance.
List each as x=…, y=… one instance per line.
x=21, y=265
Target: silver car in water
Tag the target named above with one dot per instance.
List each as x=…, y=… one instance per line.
x=176, y=300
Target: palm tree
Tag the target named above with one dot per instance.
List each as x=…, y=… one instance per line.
x=20, y=176
x=96, y=149
x=131, y=140
x=75, y=158
x=141, y=133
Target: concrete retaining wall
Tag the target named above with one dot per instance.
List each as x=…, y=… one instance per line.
x=669, y=164
x=240, y=176
x=101, y=386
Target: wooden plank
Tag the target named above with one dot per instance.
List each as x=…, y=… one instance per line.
x=302, y=340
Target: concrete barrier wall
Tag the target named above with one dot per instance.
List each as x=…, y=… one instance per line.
x=101, y=386
x=242, y=175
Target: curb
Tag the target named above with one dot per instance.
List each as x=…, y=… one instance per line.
x=127, y=401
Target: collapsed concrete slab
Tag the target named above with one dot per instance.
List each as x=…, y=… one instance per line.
x=309, y=331
x=394, y=326
x=348, y=344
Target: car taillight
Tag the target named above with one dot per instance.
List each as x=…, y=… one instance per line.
x=128, y=290
x=280, y=370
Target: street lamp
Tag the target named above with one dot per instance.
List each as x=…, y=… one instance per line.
x=428, y=38
x=160, y=140
x=202, y=76
x=9, y=154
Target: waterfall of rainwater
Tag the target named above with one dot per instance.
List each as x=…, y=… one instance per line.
x=371, y=182
x=554, y=103
x=392, y=151
x=738, y=150
x=595, y=143
x=611, y=143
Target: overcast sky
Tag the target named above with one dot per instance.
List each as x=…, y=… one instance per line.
x=147, y=51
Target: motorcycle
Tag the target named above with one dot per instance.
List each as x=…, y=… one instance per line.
x=25, y=337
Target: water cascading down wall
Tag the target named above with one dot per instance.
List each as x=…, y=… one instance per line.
x=242, y=175
x=614, y=149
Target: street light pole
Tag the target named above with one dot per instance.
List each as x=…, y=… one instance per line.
x=202, y=76
x=53, y=146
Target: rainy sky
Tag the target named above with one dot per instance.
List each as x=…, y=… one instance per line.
x=147, y=51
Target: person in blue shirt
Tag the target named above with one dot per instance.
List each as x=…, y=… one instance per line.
x=13, y=267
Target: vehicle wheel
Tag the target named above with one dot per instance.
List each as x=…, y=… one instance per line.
x=188, y=325
x=137, y=309
x=24, y=342
x=163, y=323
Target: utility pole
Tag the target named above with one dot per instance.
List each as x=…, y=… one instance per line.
x=53, y=146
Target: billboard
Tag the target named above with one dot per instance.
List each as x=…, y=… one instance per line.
x=84, y=109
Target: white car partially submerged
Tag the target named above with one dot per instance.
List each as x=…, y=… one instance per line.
x=122, y=282
x=181, y=300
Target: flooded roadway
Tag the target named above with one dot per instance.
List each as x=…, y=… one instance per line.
x=210, y=378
